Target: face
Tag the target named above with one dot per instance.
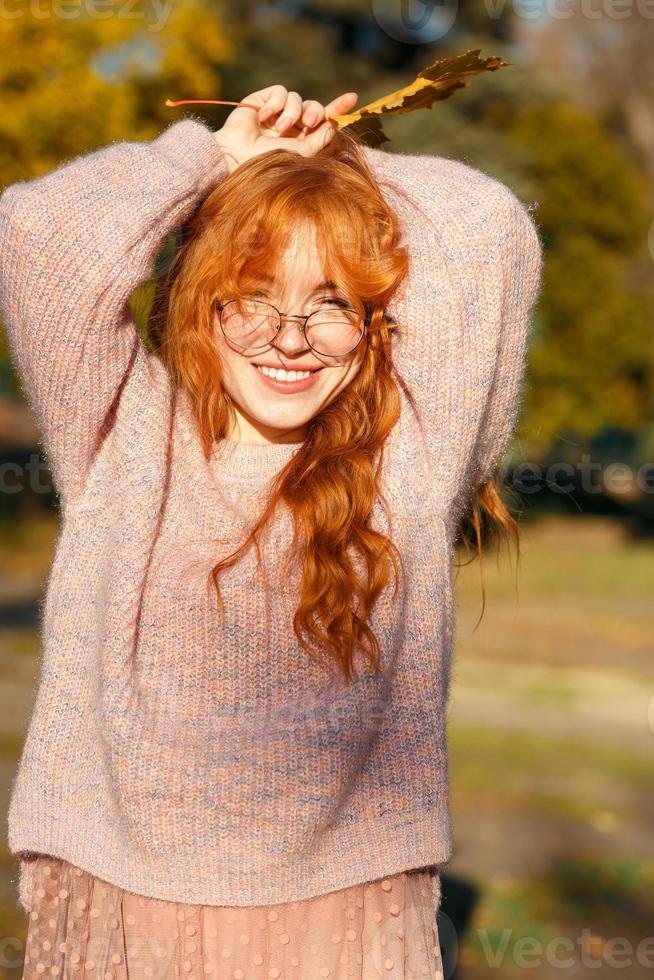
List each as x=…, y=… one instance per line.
x=266, y=411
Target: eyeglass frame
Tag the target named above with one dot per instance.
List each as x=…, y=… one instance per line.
x=292, y=316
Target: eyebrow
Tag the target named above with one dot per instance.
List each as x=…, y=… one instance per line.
x=326, y=284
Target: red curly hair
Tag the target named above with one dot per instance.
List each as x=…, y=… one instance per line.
x=332, y=481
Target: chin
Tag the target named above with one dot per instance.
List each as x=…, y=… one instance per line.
x=282, y=423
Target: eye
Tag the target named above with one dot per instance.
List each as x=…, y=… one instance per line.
x=333, y=301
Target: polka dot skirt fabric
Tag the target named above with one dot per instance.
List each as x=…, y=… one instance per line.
x=81, y=926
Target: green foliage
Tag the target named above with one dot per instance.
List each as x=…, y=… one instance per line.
x=71, y=85
x=592, y=359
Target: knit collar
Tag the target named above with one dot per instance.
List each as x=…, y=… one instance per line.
x=232, y=460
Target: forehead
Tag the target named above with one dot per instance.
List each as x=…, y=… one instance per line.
x=297, y=257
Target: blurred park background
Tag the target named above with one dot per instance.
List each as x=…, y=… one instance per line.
x=552, y=716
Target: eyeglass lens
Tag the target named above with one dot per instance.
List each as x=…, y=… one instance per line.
x=333, y=331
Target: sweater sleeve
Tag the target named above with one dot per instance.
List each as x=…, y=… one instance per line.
x=515, y=267
x=76, y=242
x=464, y=314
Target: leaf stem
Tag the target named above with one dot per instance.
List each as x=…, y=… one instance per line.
x=170, y=102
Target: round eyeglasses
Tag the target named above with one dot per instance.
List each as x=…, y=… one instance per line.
x=332, y=331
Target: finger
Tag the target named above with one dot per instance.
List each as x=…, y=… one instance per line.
x=274, y=100
x=341, y=104
x=312, y=112
x=316, y=140
x=292, y=112
x=254, y=99
x=269, y=91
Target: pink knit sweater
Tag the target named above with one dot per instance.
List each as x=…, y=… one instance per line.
x=205, y=762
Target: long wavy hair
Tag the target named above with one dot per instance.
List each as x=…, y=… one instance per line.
x=331, y=483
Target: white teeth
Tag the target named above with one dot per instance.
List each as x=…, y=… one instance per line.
x=283, y=375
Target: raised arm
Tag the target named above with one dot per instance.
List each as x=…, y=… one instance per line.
x=74, y=244
x=513, y=281
x=465, y=313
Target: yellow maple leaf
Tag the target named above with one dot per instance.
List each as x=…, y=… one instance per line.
x=437, y=81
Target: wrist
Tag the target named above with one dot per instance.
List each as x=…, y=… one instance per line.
x=230, y=155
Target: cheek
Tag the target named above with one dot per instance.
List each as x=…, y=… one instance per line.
x=354, y=368
x=236, y=368
x=341, y=380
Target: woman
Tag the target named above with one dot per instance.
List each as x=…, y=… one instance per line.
x=237, y=764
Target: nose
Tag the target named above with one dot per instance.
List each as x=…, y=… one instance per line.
x=289, y=340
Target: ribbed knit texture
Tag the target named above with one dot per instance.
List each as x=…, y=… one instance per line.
x=212, y=762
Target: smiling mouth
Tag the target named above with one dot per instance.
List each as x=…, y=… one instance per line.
x=291, y=385
x=304, y=373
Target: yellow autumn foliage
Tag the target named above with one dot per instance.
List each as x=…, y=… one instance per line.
x=79, y=74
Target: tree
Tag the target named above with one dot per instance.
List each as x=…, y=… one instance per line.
x=71, y=85
x=592, y=360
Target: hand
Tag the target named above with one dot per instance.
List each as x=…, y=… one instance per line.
x=301, y=128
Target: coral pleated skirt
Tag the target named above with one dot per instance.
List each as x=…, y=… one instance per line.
x=84, y=927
